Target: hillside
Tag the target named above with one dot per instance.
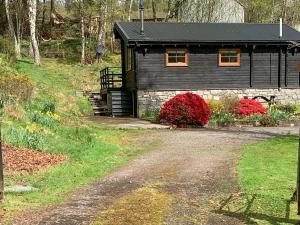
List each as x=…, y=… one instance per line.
x=51, y=121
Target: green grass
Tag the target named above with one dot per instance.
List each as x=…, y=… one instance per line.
x=267, y=174
x=92, y=150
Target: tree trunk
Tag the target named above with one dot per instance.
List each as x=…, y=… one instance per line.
x=102, y=24
x=82, y=40
x=13, y=31
x=52, y=12
x=130, y=10
x=44, y=12
x=154, y=10
x=32, y=23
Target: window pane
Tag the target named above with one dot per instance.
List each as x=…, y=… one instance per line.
x=225, y=59
x=172, y=59
x=181, y=53
x=229, y=52
x=172, y=54
x=233, y=59
x=181, y=59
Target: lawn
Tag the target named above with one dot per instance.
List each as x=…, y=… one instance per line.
x=267, y=175
x=92, y=150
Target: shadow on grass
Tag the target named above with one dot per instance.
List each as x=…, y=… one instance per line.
x=247, y=216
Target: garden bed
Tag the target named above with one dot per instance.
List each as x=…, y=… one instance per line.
x=286, y=123
x=28, y=160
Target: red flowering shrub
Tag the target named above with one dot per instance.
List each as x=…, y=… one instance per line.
x=248, y=107
x=185, y=109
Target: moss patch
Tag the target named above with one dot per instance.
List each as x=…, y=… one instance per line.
x=146, y=205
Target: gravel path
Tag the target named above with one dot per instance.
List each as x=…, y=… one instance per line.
x=195, y=165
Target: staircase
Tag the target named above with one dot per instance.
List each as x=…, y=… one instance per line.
x=114, y=103
x=100, y=106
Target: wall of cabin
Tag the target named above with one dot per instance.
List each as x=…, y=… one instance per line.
x=156, y=82
x=203, y=70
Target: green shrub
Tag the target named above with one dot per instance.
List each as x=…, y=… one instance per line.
x=22, y=137
x=215, y=106
x=49, y=107
x=288, y=108
x=230, y=103
x=43, y=119
x=151, y=114
x=17, y=87
x=267, y=120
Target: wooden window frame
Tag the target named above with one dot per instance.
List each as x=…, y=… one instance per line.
x=230, y=64
x=186, y=64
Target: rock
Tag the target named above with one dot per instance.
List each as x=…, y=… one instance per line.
x=19, y=188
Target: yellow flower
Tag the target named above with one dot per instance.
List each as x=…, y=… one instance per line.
x=54, y=116
x=8, y=122
x=32, y=128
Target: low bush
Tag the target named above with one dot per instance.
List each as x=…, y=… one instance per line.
x=288, y=108
x=151, y=114
x=229, y=103
x=49, y=107
x=185, y=109
x=268, y=120
x=29, y=137
x=215, y=106
x=47, y=119
x=248, y=107
x=16, y=87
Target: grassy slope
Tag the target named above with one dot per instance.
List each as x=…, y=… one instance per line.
x=93, y=150
x=267, y=173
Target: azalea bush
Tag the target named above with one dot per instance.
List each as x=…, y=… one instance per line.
x=248, y=107
x=185, y=109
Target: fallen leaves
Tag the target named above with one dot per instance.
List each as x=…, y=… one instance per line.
x=28, y=160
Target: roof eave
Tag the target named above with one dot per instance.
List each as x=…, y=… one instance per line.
x=207, y=42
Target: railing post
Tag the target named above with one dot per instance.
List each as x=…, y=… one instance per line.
x=112, y=80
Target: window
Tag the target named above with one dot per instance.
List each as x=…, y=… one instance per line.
x=229, y=57
x=176, y=57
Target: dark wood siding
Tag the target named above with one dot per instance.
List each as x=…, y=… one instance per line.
x=265, y=68
x=292, y=72
x=203, y=71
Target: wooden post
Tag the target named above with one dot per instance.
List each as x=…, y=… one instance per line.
x=279, y=67
x=298, y=180
x=251, y=67
x=1, y=169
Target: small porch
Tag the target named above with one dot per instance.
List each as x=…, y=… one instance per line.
x=112, y=99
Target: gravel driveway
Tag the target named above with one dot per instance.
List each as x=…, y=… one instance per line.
x=195, y=167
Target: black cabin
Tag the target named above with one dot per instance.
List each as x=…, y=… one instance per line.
x=166, y=58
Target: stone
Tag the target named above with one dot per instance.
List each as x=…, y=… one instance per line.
x=19, y=188
x=156, y=98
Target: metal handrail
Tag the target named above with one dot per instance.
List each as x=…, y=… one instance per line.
x=111, y=77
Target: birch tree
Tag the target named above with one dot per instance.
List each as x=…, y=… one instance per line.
x=130, y=9
x=82, y=39
x=102, y=22
x=32, y=8
x=15, y=30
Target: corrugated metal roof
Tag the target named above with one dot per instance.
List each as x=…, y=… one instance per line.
x=205, y=32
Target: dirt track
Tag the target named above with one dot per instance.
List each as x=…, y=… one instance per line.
x=195, y=166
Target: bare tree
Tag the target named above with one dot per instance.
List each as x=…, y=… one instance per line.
x=154, y=10
x=130, y=9
x=55, y=18
x=32, y=6
x=102, y=22
x=82, y=39
x=15, y=31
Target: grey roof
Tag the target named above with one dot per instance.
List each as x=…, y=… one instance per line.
x=205, y=32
